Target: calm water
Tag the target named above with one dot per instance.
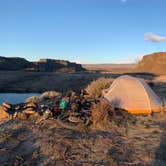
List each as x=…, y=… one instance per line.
x=14, y=98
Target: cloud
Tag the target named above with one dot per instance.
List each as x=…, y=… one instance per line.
x=77, y=61
x=151, y=37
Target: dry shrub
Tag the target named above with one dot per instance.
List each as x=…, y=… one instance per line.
x=100, y=115
x=105, y=117
x=94, y=89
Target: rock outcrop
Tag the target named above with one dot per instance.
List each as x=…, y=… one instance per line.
x=52, y=65
x=153, y=63
x=43, y=65
x=14, y=63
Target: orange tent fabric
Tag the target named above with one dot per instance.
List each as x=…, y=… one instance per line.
x=134, y=95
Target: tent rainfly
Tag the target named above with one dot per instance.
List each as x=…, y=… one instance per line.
x=133, y=95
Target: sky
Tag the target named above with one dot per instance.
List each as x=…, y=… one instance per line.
x=82, y=31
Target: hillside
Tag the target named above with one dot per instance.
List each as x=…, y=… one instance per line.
x=113, y=68
x=43, y=65
x=153, y=63
x=14, y=63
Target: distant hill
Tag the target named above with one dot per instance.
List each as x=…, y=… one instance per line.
x=114, y=68
x=43, y=65
x=153, y=63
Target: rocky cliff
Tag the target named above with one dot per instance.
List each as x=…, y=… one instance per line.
x=43, y=65
x=52, y=65
x=153, y=63
x=14, y=63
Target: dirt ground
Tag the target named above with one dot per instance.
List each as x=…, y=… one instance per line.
x=49, y=145
x=141, y=143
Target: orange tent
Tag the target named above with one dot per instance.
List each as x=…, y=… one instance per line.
x=134, y=95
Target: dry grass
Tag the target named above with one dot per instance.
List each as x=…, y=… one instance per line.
x=146, y=138
x=106, y=118
x=95, y=88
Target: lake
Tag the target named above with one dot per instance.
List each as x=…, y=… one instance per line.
x=14, y=98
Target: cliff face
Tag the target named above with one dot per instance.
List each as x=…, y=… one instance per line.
x=51, y=65
x=43, y=65
x=14, y=63
x=153, y=63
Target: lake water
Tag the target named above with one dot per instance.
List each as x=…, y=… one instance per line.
x=14, y=98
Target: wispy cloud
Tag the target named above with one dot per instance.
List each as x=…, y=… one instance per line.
x=152, y=37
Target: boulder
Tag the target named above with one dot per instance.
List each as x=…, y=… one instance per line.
x=4, y=116
x=49, y=95
x=32, y=99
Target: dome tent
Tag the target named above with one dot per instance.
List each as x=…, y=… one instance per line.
x=133, y=95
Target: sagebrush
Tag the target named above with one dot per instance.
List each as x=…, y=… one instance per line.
x=94, y=89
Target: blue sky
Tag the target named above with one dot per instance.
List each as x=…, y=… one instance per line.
x=86, y=31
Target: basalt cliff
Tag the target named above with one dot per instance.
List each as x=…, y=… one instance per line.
x=43, y=65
